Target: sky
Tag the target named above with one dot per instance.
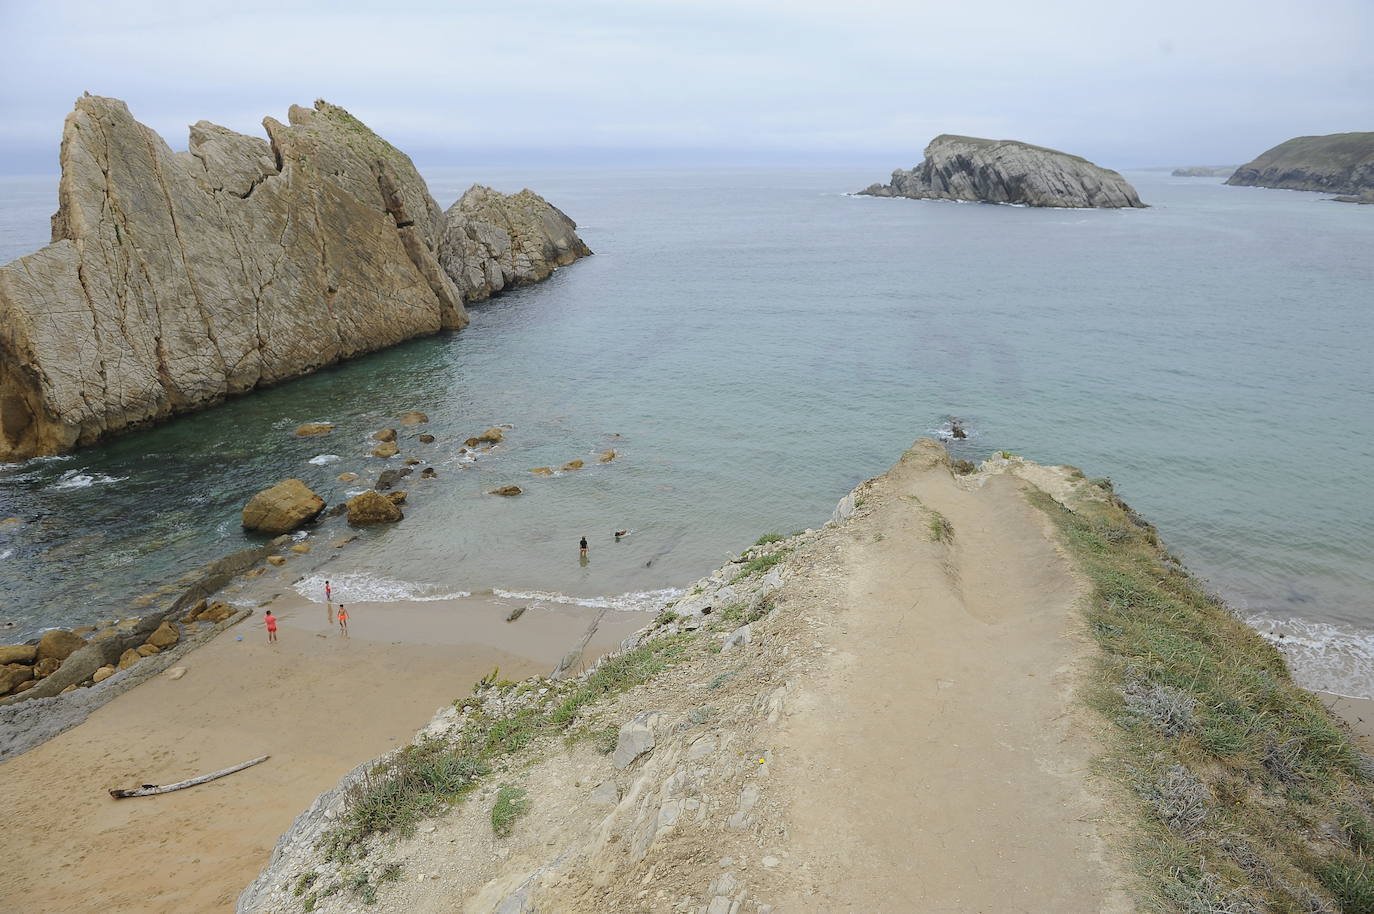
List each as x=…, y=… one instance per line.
x=647, y=82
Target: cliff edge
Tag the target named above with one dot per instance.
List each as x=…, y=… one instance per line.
x=976, y=689
x=176, y=279
x=1007, y=171
x=1341, y=163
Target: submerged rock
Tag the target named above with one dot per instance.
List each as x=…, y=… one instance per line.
x=282, y=508
x=490, y=436
x=1007, y=171
x=414, y=417
x=1340, y=163
x=386, y=434
x=310, y=429
x=506, y=490
x=385, y=449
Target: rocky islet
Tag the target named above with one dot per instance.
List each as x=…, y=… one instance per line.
x=1007, y=171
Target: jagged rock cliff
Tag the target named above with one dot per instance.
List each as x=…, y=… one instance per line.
x=176, y=279
x=1007, y=171
x=1340, y=163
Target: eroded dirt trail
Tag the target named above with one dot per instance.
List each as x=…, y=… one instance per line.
x=934, y=762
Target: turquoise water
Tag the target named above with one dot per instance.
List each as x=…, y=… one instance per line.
x=760, y=342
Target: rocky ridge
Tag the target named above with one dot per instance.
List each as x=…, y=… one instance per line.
x=1340, y=163
x=176, y=279
x=1007, y=171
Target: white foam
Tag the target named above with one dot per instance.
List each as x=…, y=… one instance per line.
x=75, y=479
x=36, y=461
x=6, y=554
x=634, y=601
x=1323, y=657
x=366, y=587
x=324, y=459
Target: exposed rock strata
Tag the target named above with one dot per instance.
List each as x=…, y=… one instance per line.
x=176, y=279
x=1007, y=171
x=1340, y=163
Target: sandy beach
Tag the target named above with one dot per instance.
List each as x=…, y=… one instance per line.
x=318, y=703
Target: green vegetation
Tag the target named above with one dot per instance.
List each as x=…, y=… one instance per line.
x=603, y=739
x=760, y=564
x=769, y=538
x=511, y=803
x=1250, y=796
x=426, y=778
x=941, y=531
x=964, y=467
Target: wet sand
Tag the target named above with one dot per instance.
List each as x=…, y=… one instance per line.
x=1358, y=712
x=317, y=702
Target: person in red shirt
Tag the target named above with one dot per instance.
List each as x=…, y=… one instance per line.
x=328, y=603
x=271, y=621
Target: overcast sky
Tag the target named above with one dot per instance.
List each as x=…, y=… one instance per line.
x=742, y=81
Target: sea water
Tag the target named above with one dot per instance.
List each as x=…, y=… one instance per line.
x=753, y=343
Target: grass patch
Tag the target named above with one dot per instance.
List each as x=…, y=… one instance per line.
x=602, y=739
x=511, y=803
x=1250, y=795
x=769, y=538
x=941, y=530
x=760, y=564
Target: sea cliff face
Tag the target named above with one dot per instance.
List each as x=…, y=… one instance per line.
x=1007, y=171
x=176, y=279
x=1340, y=163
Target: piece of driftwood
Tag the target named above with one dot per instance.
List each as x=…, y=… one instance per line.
x=516, y=613
x=148, y=790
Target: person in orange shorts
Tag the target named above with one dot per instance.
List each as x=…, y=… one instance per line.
x=343, y=620
x=271, y=621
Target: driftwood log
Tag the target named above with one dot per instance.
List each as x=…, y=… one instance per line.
x=148, y=790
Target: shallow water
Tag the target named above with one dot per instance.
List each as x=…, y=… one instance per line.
x=753, y=343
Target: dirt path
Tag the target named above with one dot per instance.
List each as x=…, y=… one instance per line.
x=319, y=704
x=934, y=763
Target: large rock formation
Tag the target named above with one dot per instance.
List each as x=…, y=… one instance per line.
x=1340, y=163
x=492, y=241
x=1007, y=171
x=176, y=279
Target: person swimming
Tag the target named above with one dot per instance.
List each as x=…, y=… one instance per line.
x=620, y=533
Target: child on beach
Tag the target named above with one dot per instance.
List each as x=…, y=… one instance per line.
x=328, y=603
x=343, y=620
x=271, y=621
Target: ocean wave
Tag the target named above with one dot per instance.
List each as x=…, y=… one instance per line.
x=75, y=479
x=1323, y=657
x=324, y=459
x=37, y=461
x=366, y=587
x=634, y=601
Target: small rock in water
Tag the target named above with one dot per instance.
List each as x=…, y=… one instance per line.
x=506, y=490
x=347, y=477
x=412, y=461
x=542, y=471
x=426, y=439
x=175, y=672
x=314, y=428
x=607, y=456
x=343, y=541
x=428, y=473
x=385, y=449
x=386, y=434
x=573, y=465
x=301, y=548
x=277, y=560
x=414, y=417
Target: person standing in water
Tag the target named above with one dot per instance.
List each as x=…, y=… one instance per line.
x=328, y=603
x=583, y=546
x=271, y=621
x=343, y=620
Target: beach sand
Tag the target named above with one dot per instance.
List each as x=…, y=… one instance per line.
x=318, y=703
x=1358, y=712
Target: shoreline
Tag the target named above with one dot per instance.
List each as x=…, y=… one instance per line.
x=318, y=703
